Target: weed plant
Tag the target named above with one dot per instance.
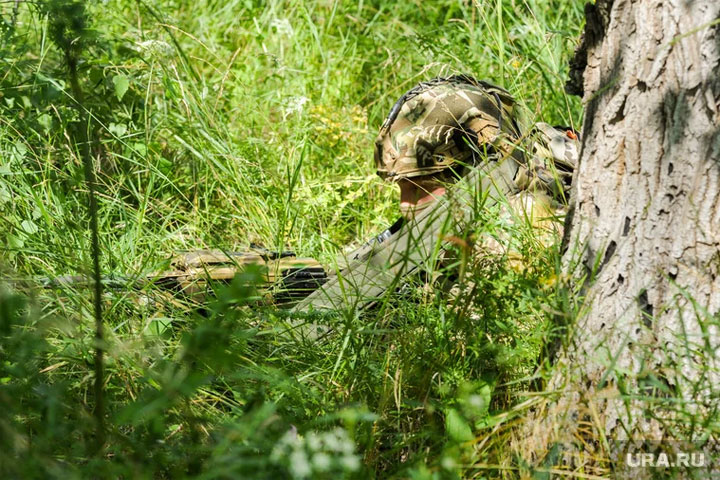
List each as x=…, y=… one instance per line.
x=220, y=124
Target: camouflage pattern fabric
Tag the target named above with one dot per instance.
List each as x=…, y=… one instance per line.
x=447, y=123
x=442, y=124
x=543, y=184
x=544, y=179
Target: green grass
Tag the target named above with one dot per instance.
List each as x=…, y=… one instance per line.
x=247, y=121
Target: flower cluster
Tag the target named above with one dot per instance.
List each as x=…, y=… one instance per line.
x=317, y=454
x=333, y=125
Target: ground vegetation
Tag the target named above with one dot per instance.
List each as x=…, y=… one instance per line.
x=221, y=124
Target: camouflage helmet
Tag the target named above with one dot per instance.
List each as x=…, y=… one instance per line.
x=442, y=125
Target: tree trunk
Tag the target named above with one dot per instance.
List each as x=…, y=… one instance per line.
x=641, y=359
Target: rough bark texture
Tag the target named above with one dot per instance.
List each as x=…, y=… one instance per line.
x=641, y=362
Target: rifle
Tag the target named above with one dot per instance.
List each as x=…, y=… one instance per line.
x=285, y=278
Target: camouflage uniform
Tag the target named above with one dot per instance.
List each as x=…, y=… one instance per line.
x=435, y=135
x=444, y=126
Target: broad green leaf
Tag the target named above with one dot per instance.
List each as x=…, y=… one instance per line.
x=117, y=129
x=15, y=242
x=140, y=149
x=478, y=403
x=20, y=151
x=122, y=83
x=45, y=121
x=158, y=326
x=5, y=195
x=456, y=426
x=29, y=226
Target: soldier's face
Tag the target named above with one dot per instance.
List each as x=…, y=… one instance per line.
x=418, y=193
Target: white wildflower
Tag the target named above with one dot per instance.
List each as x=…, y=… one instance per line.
x=336, y=440
x=313, y=441
x=299, y=465
x=155, y=48
x=282, y=26
x=350, y=462
x=321, y=462
x=294, y=105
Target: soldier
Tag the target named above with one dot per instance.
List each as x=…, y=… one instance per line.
x=440, y=129
x=441, y=138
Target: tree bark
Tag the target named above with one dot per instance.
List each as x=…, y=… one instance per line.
x=643, y=237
